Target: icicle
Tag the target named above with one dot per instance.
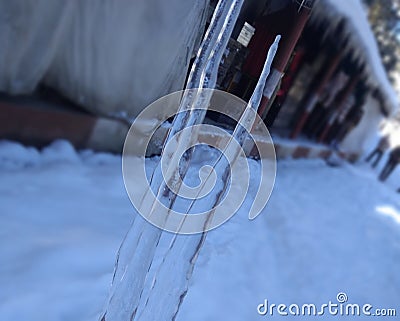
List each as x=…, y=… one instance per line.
x=207, y=80
x=184, y=250
x=137, y=251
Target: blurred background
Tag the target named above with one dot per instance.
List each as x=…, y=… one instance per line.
x=74, y=75
x=97, y=66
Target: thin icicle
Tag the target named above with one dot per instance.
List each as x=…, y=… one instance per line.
x=202, y=98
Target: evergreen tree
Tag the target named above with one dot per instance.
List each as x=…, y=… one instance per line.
x=384, y=16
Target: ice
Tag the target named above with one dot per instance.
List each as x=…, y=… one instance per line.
x=324, y=230
x=137, y=251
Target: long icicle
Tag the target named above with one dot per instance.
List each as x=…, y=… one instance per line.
x=138, y=248
x=183, y=250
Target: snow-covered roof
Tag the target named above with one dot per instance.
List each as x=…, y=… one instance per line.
x=362, y=43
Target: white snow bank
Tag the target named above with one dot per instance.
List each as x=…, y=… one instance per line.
x=63, y=215
x=362, y=42
x=325, y=230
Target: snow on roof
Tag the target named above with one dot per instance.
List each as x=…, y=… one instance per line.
x=362, y=43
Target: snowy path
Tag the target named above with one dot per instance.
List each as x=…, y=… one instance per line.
x=324, y=232
x=63, y=215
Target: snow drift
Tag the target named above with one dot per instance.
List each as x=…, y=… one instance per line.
x=325, y=230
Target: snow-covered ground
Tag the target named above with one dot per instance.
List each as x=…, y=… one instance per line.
x=325, y=230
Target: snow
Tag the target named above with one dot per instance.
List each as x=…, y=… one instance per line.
x=392, y=129
x=64, y=214
x=58, y=248
x=362, y=43
x=309, y=246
